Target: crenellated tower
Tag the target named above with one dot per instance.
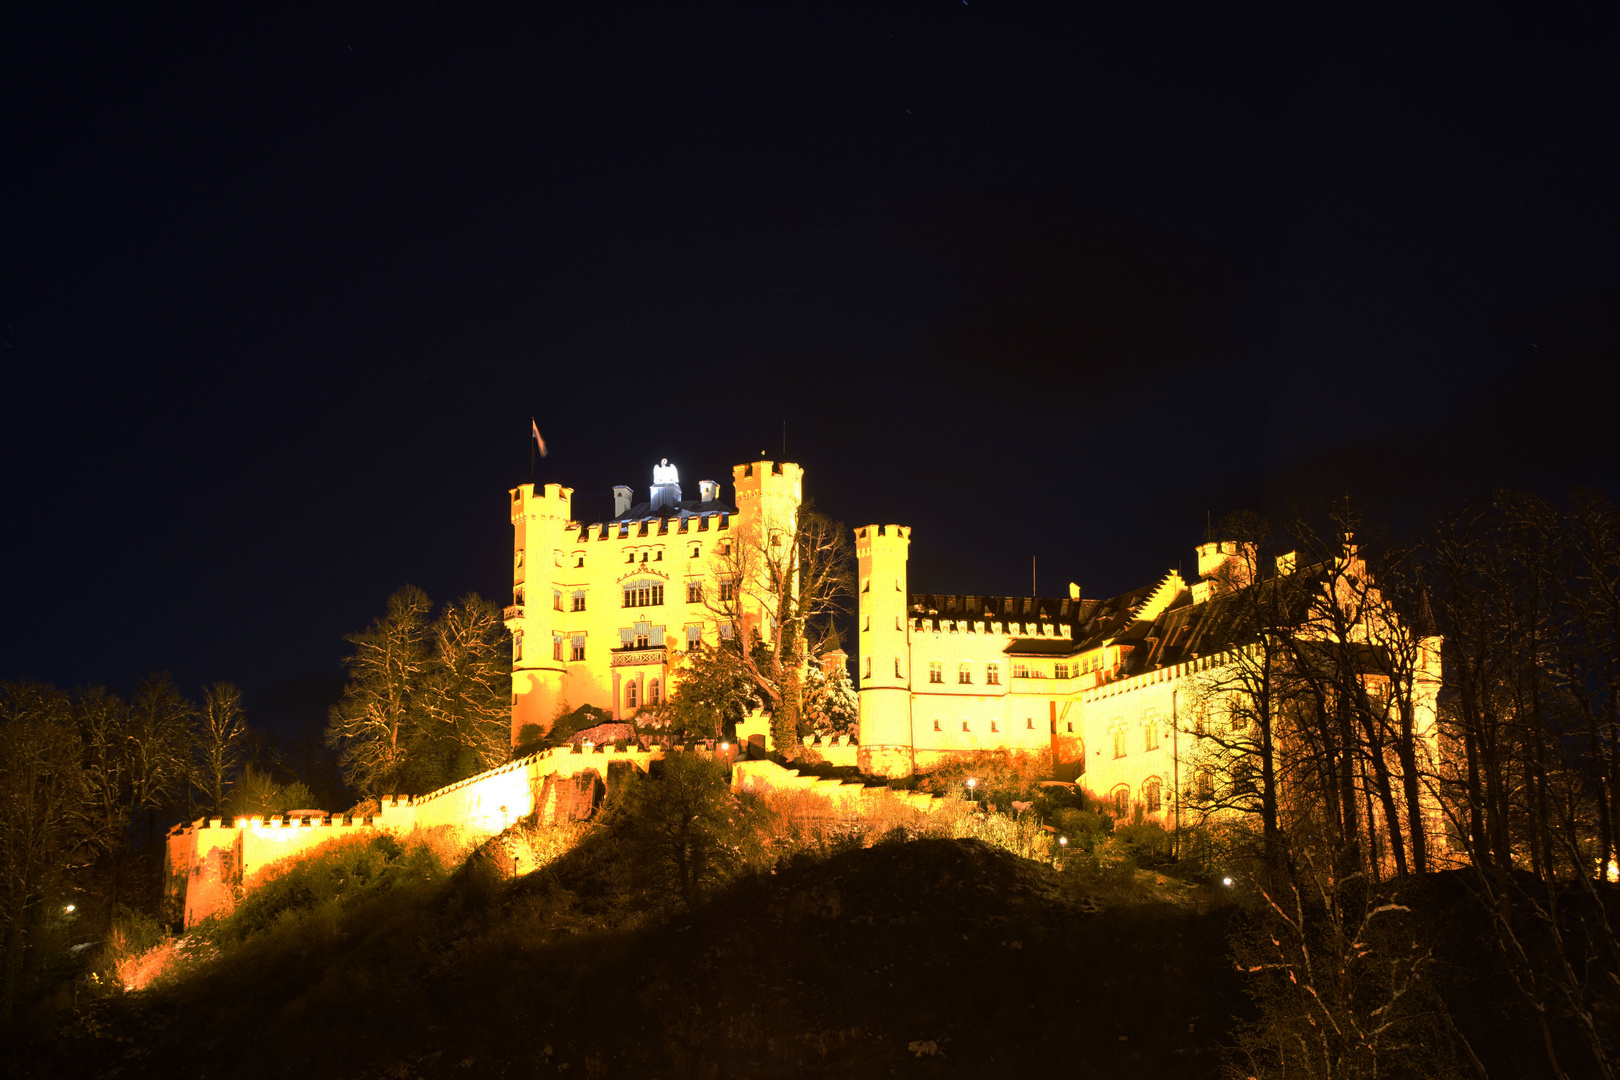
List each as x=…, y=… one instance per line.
x=539, y=520
x=881, y=553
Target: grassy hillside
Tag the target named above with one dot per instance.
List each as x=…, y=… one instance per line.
x=922, y=957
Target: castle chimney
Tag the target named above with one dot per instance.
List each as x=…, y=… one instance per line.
x=708, y=490
x=666, y=487
x=621, y=500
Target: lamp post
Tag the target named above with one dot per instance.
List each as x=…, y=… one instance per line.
x=972, y=783
x=1063, y=843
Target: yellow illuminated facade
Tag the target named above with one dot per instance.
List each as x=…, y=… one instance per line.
x=1109, y=687
x=602, y=612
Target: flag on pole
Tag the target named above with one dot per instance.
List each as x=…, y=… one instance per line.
x=538, y=440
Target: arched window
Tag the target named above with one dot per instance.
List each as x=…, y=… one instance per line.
x=630, y=695
x=1153, y=796
x=652, y=692
x=1121, y=797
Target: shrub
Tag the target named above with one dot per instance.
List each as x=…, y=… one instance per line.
x=1147, y=842
x=1001, y=778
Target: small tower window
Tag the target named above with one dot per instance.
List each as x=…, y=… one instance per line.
x=897, y=667
x=992, y=674
x=579, y=600
x=578, y=651
x=936, y=671
x=994, y=727
x=965, y=725
x=964, y=674
x=517, y=645
x=556, y=599
x=1029, y=723
x=936, y=725
x=556, y=647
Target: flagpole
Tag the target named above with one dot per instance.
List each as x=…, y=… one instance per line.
x=532, y=426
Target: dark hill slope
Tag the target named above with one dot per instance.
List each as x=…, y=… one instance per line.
x=927, y=958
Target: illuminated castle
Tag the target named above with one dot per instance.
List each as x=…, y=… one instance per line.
x=1115, y=689
x=601, y=612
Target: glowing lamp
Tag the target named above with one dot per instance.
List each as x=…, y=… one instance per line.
x=69, y=909
x=1227, y=882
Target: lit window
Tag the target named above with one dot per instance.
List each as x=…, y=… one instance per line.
x=992, y=674
x=579, y=600
x=644, y=594
x=579, y=647
x=694, y=592
x=936, y=671
x=964, y=674
x=1206, y=783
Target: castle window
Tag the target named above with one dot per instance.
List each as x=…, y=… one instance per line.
x=517, y=596
x=992, y=674
x=897, y=624
x=1029, y=723
x=1153, y=796
x=1020, y=671
x=1122, y=800
x=965, y=725
x=556, y=647
x=897, y=585
x=556, y=599
x=517, y=645
x=936, y=725
x=728, y=589
x=643, y=556
x=868, y=673
x=694, y=634
x=1150, y=730
x=579, y=561
x=1119, y=739
x=579, y=600
x=868, y=624
x=1060, y=671
x=629, y=556
x=897, y=667
x=994, y=727
x=964, y=674
x=696, y=550
x=694, y=592
x=652, y=692
x=630, y=696
x=725, y=631
x=644, y=594
x=1206, y=783
x=936, y=671
x=579, y=647
x=1071, y=727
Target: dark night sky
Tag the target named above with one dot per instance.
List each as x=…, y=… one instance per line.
x=281, y=290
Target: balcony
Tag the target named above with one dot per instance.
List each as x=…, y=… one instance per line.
x=634, y=656
x=513, y=612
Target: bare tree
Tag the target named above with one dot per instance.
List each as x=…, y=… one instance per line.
x=372, y=724
x=783, y=586
x=41, y=792
x=467, y=690
x=218, y=741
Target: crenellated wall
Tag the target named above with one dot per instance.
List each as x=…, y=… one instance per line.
x=211, y=860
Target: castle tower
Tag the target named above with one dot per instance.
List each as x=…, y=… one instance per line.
x=881, y=552
x=768, y=495
x=538, y=521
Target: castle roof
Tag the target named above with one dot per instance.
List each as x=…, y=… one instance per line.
x=686, y=507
